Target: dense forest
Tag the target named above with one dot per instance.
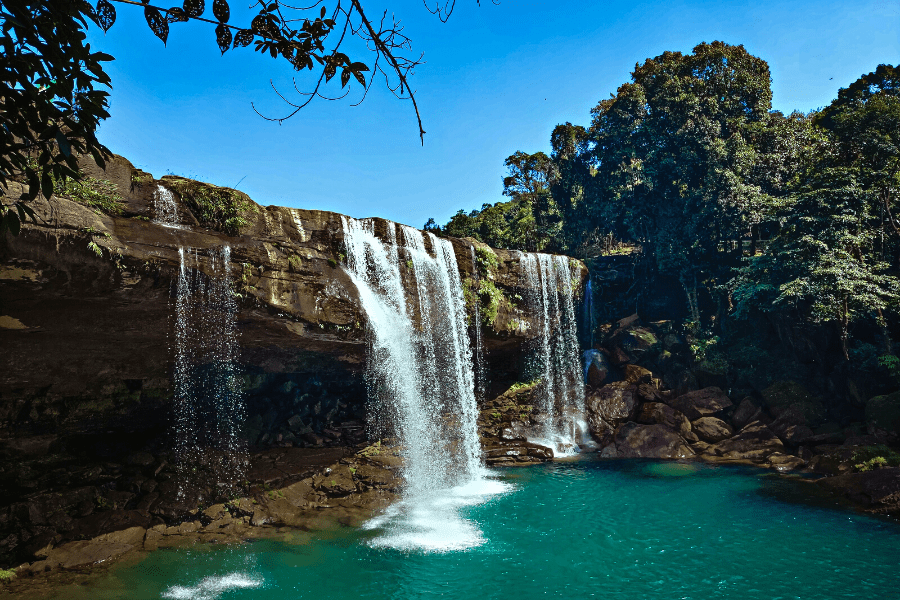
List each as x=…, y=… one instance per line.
x=747, y=209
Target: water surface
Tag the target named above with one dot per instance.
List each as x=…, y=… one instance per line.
x=579, y=529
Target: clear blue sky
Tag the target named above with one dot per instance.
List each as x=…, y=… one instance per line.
x=497, y=79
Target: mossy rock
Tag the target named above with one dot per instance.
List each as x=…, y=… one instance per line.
x=638, y=341
x=782, y=395
x=884, y=412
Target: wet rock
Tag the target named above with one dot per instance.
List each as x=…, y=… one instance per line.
x=701, y=403
x=711, y=429
x=513, y=434
x=633, y=440
x=785, y=462
x=80, y=554
x=336, y=482
x=637, y=342
x=613, y=402
x=596, y=368
x=656, y=412
x=746, y=412
x=877, y=491
x=883, y=412
x=637, y=375
x=755, y=442
x=140, y=459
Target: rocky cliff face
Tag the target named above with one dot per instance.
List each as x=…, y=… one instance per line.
x=87, y=318
x=87, y=310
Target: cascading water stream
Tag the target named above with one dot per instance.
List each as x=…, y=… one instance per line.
x=480, y=371
x=208, y=404
x=164, y=207
x=420, y=368
x=556, y=361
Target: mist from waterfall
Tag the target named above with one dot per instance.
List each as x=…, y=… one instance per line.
x=422, y=382
x=555, y=361
x=208, y=406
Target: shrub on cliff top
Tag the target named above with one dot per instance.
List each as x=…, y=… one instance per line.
x=99, y=194
x=222, y=209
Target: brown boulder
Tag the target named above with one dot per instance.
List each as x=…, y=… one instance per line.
x=636, y=374
x=633, y=440
x=701, y=403
x=877, y=491
x=652, y=413
x=711, y=429
x=613, y=403
x=746, y=412
x=753, y=442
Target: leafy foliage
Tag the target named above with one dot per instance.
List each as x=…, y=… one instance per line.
x=223, y=209
x=50, y=109
x=98, y=194
x=749, y=209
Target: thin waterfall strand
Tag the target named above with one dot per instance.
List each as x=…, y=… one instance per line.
x=208, y=406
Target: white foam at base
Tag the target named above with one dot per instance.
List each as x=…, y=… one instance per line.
x=211, y=588
x=432, y=522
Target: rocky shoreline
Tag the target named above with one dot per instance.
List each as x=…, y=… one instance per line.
x=288, y=489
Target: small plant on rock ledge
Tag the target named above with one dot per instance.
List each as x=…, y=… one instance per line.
x=99, y=194
x=220, y=208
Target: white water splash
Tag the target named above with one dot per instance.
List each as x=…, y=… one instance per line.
x=212, y=588
x=420, y=370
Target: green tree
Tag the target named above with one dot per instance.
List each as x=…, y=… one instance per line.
x=673, y=154
x=865, y=121
x=822, y=266
x=50, y=109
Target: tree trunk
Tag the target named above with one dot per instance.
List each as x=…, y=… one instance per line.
x=845, y=319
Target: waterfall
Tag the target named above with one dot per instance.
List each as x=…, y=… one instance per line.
x=556, y=360
x=208, y=406
x=420, y=373
x=165, y=208
x=480, y=371
x=588, y=314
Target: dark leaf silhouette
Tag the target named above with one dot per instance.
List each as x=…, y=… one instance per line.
x=106, y=14
x=345, y=77
x=176, y=15
x=194, y=8
x=221, y=10
x=223, y=37
x=329, y=71
x=157, y=23
x=242, y=38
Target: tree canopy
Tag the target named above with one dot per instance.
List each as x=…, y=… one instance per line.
x=747, y=207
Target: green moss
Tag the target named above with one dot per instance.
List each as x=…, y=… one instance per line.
x=486, y=259
x=99, y=194
x=140, y=178
x=295, y=261
x=7, y=574
x=222, y=209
